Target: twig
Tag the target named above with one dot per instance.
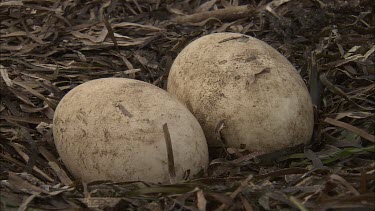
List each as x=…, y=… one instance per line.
x=27, y=201
x=247, y=206
x=233, y=195
x=297, y=203
x=221, y=14
x=110, y=33
x=168, y=142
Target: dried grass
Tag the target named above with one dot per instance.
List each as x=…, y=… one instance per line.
x=49, y=47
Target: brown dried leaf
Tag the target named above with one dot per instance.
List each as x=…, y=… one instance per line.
x=23, y=185
x=53, y=163
x=36, y=94
x=205, y=6
x=32, y=120
x=5, y=76
x=351, y=128
x=19, y=150
x=201, y=201
x=27, y=201
x=221, y=14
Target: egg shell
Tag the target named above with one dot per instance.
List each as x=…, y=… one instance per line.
x=243, y=93
x=112, y=129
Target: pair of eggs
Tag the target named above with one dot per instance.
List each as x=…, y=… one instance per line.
x=223, y=87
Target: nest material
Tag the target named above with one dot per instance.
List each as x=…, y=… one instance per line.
x=49, y=47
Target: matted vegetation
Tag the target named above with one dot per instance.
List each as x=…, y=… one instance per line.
x=49, y=47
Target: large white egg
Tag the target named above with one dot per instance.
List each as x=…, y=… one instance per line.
x=243, y=92
x=112, y=129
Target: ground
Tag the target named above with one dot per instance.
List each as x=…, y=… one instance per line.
x=49, y=47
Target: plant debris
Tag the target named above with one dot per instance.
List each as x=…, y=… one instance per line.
x=49, y=47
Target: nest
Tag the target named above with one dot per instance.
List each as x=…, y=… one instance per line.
x=49, y=47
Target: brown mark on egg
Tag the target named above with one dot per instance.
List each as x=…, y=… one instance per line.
x=251, y=78
x=223, y=61
x=263, y=71
x=81, y=115
x=123, y=110
x=250, y=59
